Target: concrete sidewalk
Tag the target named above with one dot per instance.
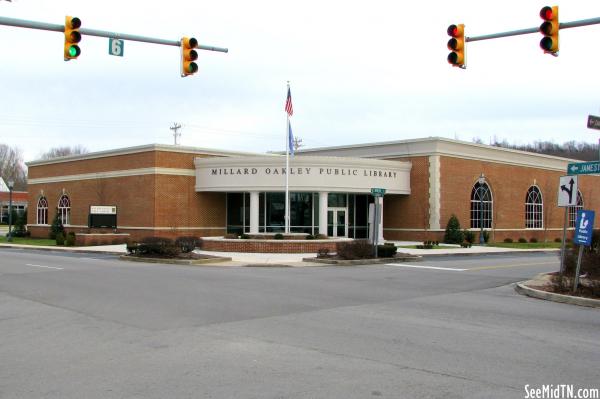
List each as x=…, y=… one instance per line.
x=266, y=259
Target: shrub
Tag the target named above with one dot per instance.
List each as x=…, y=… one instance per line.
x=533, y=240
x=321, y=236
x=453, y=234
x=426, y=245
x=187, y=243
x=590, y=259
x=20, y=222
x=323, y=253
x=310, y=237
x=60, y=239
x=56, y=226
x=465, y=245
x=161, y=246
x=508, y=240
x=230, y=236
x=358, y=249
x=469, y=236
x=387, y=250
x=486, y=236
x=70, y=240
x=522, y=240
x=244, y=236
x=278, y=236
x=558, y=239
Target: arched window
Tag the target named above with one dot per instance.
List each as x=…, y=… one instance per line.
x=481, y=206
x=573, y=209
x=42, y=211
x=534, y=209
x=64, y=209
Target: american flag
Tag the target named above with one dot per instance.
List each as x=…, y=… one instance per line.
x=288, y=104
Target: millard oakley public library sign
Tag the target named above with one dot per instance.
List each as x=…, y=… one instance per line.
x=306, y=173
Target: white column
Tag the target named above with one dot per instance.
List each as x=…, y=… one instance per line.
x=380, y=238
x=323, y=212
x=254, y=212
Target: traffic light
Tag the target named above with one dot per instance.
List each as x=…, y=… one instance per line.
x=549, y=28
x=188, y=56
x=72, y=37
x=457, y=45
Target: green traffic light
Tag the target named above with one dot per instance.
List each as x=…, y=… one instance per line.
x=74, y=51
x=193, y=67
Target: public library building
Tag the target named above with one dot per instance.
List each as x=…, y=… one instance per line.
x=166, y=190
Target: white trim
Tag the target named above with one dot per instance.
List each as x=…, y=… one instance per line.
x=113, y=174
x=139, y=149
x=434, y=192
x=445, y=147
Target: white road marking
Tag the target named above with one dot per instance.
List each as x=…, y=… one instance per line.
x=425, y=267
x=45, y=267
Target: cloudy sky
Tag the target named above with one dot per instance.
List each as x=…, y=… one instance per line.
x=359, y=71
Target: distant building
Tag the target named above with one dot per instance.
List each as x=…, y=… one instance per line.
x=166, y=190
x=19, y=201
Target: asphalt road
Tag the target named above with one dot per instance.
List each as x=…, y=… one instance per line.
x=77, y=326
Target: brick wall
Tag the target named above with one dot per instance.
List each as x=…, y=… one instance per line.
x=268, y=246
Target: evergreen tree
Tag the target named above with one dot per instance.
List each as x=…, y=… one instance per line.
x=56, y=227
x=453, y=235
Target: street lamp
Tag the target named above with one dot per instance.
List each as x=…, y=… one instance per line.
x=11, y=184
x=481, y=182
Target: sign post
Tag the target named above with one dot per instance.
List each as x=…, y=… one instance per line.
x=567, y=196
x=583, y=237
x=594, y=123
x=377, y=193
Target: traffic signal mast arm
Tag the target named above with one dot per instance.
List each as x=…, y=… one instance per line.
x=562, y=25
x=21, y=23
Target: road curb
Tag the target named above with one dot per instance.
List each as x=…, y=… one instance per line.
x=358, y=262
x=523, y=289
x=542, y=251
x=185, y=262
x=59, y=249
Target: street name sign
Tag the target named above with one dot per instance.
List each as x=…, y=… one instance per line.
x=378, y=192
x=584, y=168
x=567, y=191
x=584, y=227
x=593, y=122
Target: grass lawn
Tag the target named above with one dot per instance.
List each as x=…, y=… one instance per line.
x=28, y=241
x=525, y=245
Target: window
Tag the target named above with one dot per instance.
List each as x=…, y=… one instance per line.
x=573, y=210
x=64, y=209
x=534, y=209
x=42, y=211
x=481, y=206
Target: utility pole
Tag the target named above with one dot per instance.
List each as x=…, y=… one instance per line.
x=175, y=128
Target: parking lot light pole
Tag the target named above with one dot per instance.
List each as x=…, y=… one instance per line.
x=11, y=184
x=481, y=182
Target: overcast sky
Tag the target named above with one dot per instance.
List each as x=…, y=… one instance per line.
x=359, y=72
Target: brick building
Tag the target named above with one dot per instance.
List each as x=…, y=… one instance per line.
x=168, y=190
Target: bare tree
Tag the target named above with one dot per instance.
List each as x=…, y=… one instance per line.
x=12, y=167
x=58, y=152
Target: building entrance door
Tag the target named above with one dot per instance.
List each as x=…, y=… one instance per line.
x=337, y=222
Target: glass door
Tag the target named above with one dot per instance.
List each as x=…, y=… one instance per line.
x=337, y=222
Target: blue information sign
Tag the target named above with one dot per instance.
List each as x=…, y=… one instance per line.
x=584, y=227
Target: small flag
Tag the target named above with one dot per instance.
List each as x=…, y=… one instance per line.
x=288, y=104
x=290, y=139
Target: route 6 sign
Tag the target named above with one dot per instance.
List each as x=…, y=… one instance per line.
x=567, y=191
x=116, y=47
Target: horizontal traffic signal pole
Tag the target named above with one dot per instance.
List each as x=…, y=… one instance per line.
x=21, y=23
x=562, y=25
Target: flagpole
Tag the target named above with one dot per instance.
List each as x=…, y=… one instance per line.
x=287, y=176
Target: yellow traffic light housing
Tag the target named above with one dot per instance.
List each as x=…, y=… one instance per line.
x=549, y=28
x=456, y=45
x=72, y=37
x=188, y=56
